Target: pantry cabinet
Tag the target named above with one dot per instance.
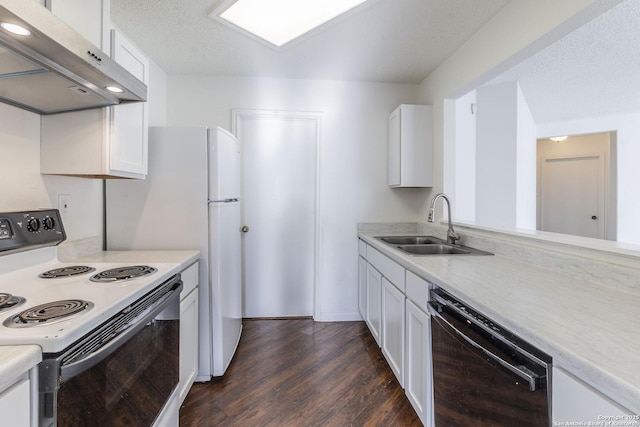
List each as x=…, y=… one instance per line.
x=410, y=146
x=576, y=402
x=109, y=142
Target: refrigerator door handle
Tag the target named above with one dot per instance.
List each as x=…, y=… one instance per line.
x=224, y=201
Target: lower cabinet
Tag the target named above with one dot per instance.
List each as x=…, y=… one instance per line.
x=362, y=287
x=417, y=369
x=188, y=331
x=374, y=294
x=576, y=403
x=15, y=404
x=392, y=317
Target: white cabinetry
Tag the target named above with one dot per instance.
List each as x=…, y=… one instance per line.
x=362, y=287
x=88, y=17
x=417, y=378
x=410, y=157
x=188, y=331
x=577, y=403
x=15, y=404
x=374, y=295
x=393, y=328
x=105, y=142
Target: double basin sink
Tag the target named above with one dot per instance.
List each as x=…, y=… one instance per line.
x=428, y=245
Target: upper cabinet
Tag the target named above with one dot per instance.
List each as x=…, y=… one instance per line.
x=91, y=18
x=411, y=146
x=110, y=142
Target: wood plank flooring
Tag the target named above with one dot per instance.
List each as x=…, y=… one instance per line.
x=297, y=372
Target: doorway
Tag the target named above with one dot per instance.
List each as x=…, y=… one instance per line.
x=575, y=186
x=280, y=204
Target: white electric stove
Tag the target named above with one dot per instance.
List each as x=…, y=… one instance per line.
x=102, y=326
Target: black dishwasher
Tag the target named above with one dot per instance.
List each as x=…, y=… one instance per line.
x=483, y=375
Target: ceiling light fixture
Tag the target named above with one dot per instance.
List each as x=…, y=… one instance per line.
x=558, y=138
x=280, y=21
x=15, y=29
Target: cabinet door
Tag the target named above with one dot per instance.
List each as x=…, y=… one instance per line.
x=15, y=405
x=88, y=17
x=188, y=343
x=394, y=148
x=577, y=403
x=393, y=328
x=374, y=291
x=129, y=138
x=362, y=287
x=417, y=379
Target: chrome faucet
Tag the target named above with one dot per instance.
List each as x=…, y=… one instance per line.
x=452, y=236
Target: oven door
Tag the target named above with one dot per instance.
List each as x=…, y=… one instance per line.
x=126, y=380
x=479, y=382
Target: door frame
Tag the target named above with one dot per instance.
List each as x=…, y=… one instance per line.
x=237, y=115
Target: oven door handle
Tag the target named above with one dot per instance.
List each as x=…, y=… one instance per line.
x=529, y=376
x=90, y=360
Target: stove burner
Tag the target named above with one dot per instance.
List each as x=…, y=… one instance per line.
x=123, y=273
x=8, y=301
x=66, y=271
x=51, y=311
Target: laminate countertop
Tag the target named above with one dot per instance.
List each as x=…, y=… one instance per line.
x=591, y=330
x=15, y=360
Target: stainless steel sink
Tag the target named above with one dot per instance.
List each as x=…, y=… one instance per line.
x=411, y=240
x=428, y=245
x=433, y=249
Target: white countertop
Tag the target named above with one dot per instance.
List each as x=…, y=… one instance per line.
x=589, y=329
x=15, y=360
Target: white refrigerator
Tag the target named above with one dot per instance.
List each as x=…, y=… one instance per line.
x=190, y=200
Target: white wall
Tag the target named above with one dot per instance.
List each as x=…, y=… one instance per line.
x=23, y=188
x=353, y=151
x=520, y=29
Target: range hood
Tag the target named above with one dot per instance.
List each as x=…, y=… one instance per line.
x=55, y=69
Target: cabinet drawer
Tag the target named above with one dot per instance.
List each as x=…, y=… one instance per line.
x=362, y=249
x=417, y=290
x=389, y=269
x=189, y=279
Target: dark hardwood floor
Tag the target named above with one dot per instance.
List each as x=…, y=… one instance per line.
x=297, y=372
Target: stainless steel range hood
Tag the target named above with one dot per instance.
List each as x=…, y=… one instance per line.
x=55, y=69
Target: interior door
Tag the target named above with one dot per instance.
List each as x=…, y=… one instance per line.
x=572, y=196
x=279, y=153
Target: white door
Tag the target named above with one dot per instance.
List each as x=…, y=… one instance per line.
x=572, y=196
x=279, y=151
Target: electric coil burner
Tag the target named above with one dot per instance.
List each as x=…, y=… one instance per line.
x=123, y=273
x=66, y=271
x=47, y=313
x=8, y=301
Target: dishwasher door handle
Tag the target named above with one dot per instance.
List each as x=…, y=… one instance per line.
x=521, y=371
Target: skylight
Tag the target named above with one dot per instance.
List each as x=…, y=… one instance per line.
x=280, y=21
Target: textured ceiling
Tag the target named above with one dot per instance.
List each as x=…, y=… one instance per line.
x=594, y=71
x=395, y=41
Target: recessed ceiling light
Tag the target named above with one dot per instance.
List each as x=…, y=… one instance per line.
x=280, y=21
x=15, y=29
x=558, y=138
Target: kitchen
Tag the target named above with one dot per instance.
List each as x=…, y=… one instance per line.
x=353, y=150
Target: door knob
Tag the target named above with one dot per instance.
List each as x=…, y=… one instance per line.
x=244, y=229
x=594, y=217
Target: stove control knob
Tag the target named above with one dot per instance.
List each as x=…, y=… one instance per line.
x=33, y=225
x=49, y=223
